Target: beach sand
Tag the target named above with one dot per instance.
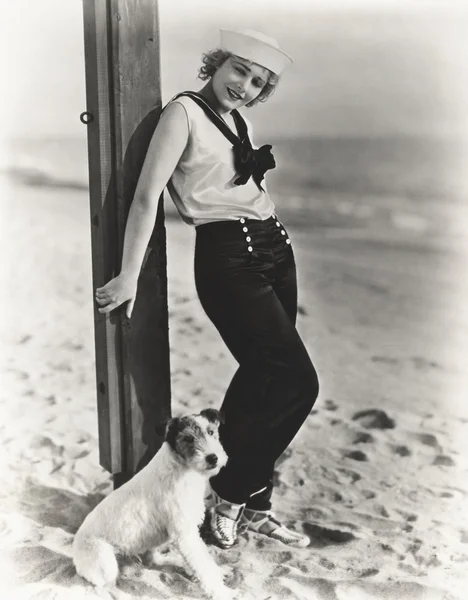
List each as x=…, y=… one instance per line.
x=378, y=475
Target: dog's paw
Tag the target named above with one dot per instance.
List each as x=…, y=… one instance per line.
x=154, y=559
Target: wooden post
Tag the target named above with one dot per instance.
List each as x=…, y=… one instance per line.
x=123, y=104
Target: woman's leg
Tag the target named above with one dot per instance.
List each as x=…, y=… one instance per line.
x=285, y=287
x=276, y=384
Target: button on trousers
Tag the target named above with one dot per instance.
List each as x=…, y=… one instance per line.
x=245, y=274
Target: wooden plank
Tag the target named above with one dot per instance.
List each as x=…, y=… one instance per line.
x=137, y=105
x=132, y=358
x=103, y=233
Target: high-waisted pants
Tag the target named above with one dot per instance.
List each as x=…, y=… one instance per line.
x=245, y=274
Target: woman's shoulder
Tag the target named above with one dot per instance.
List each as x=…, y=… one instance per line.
x=176, y=110
x=193, y=112
x=190, y=106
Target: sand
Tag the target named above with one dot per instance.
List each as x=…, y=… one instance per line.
x=377, y=477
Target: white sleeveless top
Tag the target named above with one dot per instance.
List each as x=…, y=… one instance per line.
x=202, y=185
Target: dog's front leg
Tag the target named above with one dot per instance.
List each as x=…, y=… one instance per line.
x=203, y=565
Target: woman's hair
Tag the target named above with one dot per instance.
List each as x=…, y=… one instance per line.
x=215, y=58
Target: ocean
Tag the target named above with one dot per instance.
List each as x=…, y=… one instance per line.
x=417, y=184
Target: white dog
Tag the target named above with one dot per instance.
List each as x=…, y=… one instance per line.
x=163, y=502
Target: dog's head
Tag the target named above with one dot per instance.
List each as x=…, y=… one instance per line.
x=194, y=439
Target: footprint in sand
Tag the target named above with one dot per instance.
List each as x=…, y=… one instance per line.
x=77, y=452
x=367, y=572
x=302, y=311
x=400, y=450
x=331, y=496
x=410, y=517
x=414, y=547
x=339, y=475
x=350, y=475
x=382, y=511
x=83, y=438
x=356, y=455
x=234, y=579
x=233, y=557
x=284, y=556
x=411, y=570
x=42, y=443
x=186, y=372
x=452, y=492
x=374, y=418
x=330, y=405
x=281, y=570
x=191, y=322
x=428, y=439
x=320, y=537
x=443, y=461
x=327, y=564
x=73, y=345
x=362, y=437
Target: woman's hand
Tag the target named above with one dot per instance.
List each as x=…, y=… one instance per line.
x=160, y=161
x=117, y=291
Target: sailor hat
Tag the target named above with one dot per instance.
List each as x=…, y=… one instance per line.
x=256, y=47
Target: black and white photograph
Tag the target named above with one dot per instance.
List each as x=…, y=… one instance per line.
x=234, y=290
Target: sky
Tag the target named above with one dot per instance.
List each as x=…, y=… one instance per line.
x=361, y=67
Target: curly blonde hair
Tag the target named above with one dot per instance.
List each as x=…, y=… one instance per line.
x=213, y=59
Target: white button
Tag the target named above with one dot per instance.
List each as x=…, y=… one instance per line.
x=283, y=232
x=277, y=223
x=244, y=229
x=288, y=241
x=250, y=248
x=248, y=239
x=242, y=220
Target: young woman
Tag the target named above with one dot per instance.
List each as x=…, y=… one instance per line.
x=245, y=271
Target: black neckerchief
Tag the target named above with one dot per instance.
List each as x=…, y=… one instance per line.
x=248, y=162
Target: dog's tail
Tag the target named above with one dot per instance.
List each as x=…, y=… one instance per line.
x=94, y=559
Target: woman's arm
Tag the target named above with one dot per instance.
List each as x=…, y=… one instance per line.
x=166, y=147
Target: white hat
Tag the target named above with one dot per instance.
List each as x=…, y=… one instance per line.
x=257, y=47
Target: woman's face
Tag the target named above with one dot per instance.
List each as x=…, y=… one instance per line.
x=237, y=82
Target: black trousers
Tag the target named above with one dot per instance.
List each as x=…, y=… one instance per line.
x=245, y=274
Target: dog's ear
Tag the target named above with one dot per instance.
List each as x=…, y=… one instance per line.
x=212, y=415
x=173, y=428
